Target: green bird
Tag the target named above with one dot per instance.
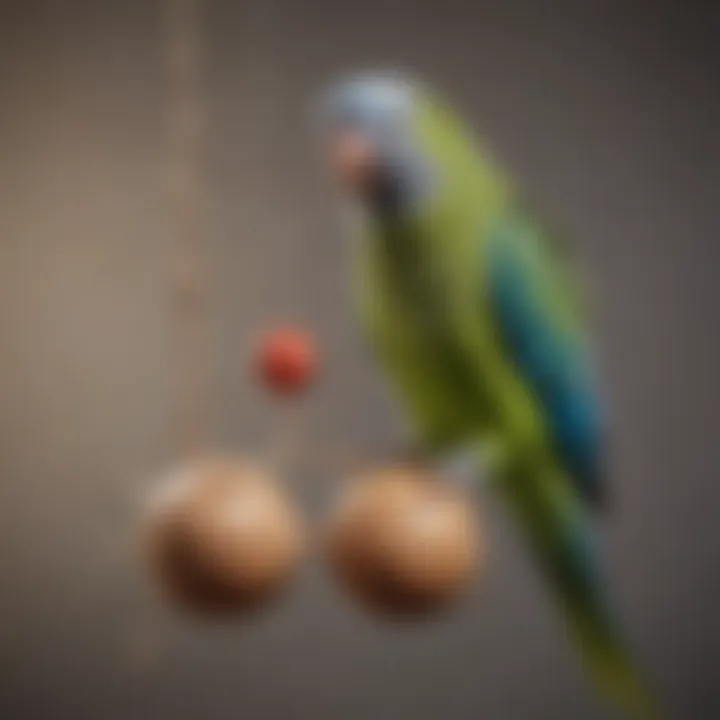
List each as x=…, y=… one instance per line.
x=467, y=295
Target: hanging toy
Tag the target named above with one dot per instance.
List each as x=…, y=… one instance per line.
x=222, y=537
x=403, y=542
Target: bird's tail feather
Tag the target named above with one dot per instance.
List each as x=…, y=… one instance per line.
x=560, y=531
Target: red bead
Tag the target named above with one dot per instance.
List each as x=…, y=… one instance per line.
x=287, y=360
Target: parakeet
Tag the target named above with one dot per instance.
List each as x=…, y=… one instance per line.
x=469, y=298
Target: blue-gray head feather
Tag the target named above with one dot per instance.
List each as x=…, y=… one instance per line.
x=380, y=106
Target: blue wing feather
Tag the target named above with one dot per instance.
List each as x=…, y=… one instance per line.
x=555, y=362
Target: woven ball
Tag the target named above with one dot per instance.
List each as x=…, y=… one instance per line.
x=222, y=537
x=404, y=542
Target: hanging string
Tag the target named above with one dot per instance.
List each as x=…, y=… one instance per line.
x=186, y=124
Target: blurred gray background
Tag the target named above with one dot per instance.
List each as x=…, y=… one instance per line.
x=607, y=110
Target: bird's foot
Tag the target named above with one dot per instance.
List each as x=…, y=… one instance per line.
x=461, y=468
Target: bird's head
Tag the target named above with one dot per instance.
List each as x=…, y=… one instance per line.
x=371, y=145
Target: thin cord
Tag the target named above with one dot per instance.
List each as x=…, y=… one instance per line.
x=186, y=124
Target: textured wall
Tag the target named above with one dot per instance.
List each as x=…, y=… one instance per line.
x=607, y=110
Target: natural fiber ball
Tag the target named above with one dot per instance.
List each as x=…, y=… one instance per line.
x=404, y=542
x=222, y=537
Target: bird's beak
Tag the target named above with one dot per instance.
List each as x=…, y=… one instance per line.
x=353, y=160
